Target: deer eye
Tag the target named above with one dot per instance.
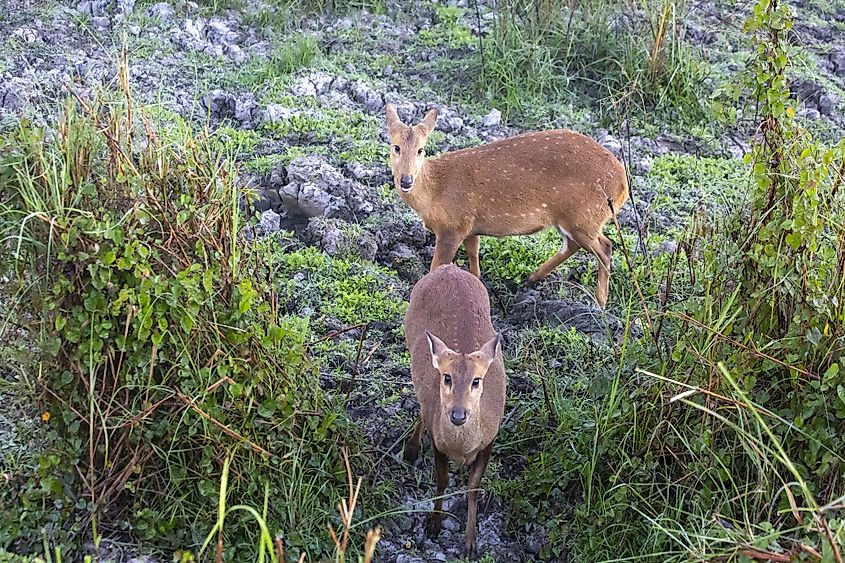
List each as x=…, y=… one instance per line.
x=476, y=382
x=420, y=151
x=396, y=149
x=447, y=379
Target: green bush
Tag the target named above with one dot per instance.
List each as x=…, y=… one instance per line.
x=161, y=350
x=717, y=434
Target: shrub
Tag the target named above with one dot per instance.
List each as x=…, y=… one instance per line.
x=161, y=350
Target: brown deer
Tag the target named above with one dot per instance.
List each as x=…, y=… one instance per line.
x=459, y=379
x=515, y=186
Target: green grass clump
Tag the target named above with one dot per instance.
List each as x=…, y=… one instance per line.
x=514, y=258
x=159, y=347
x=298, y=52
x=682, y=183
x=350, y=290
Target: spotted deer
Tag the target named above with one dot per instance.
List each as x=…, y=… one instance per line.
x=514, y=186
x=459, y=380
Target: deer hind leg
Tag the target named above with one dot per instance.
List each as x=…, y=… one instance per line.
x=471, y=246
x=569, y=248
x=441, y=466
x=603, y=249
x=445, y=247
x=414, y=442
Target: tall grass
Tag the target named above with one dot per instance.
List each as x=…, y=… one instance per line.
x=541, y=48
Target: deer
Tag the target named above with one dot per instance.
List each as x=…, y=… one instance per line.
x=459, y=380
x=515, y=186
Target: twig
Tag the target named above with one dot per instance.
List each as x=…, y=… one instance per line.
x=225, y=429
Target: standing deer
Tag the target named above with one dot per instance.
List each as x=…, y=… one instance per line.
x=459, y=380
x=515, y=186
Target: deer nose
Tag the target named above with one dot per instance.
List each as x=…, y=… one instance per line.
x=458, y=416
x=406, y=181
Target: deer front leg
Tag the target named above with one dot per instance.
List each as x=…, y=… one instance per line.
x=475, y=473
x=414, y=442
x=441, y=465
x=445, y=247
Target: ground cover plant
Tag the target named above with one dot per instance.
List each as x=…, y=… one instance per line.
x=204, y=269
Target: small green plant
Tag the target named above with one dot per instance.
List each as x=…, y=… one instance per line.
x=448, y=30
x=350, y=290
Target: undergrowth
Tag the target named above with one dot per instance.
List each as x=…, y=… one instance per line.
x=161, y=357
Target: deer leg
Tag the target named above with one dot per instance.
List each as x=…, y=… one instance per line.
x=603, y=249
x=471, y=245
x=441, y=465
x=445, y=247
x=475, y=473
x=414, y=442
x=569, y=248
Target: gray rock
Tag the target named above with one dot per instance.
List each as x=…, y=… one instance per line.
x=407, y=111
x=369, y=98
x=339, y=238
x=270, y=221
x=219, y=33
x=492, y=119
x=236, y=53
x=12, y=99
x=829, y=103
x=588, y=319
x=26, y=34
x=125, y=6
x=303, y=87
x=195, y=29
x=810, y=114
x=101, y=21
x=315, y=188
x=837, y=59
x=162, y=10
x=246, y=109
x=370, y=174
x=220, y=104
x=609, y=142
x=276, y=113
x=451, y=524
x=668, y=247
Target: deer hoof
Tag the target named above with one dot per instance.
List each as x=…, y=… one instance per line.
x=410, y=453
x=471, y=550
x=432, y=527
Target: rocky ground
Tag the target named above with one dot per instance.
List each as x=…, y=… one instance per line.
x=311, y=144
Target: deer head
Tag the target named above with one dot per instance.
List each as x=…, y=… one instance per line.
x=461, y=377
x=407, y=150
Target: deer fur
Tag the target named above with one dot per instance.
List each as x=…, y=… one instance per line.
x=514, y=186
x=459, y=380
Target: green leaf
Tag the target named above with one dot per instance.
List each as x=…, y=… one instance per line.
x=267, y=408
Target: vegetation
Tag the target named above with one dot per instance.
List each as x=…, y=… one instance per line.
x=164, y=360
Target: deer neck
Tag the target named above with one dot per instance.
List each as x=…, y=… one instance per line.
x=460, y=443
x=425, y=191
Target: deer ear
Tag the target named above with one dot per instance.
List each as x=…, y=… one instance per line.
x=429, y=120
x=489, y=352
x=438, y=349
x=392, y=116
